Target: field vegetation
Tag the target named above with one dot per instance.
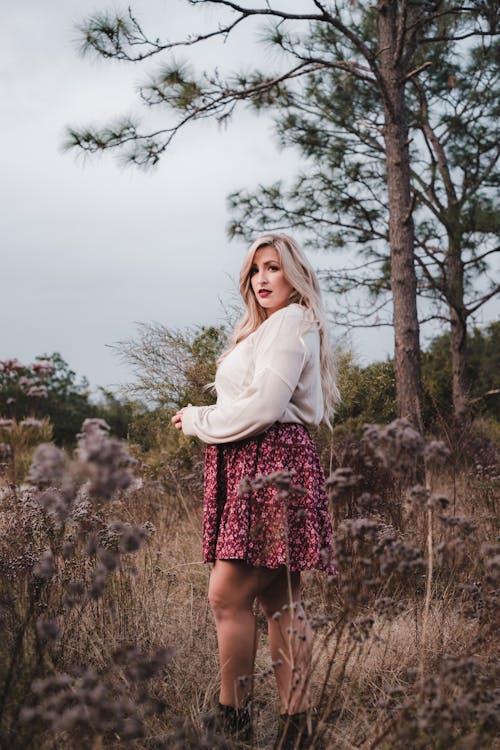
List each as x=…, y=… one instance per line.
x=108, y=640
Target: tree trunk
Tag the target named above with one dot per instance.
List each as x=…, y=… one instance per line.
x=401, y=229
x=458, y=338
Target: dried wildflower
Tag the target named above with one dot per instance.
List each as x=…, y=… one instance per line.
x=55, y=503
x=5, y=451
x=139, y=665
x=418, y=494
x=75, y=591
x=84, y=706
x=360, y=629
x=389, y=607
x=109, y=560
x=342, y=479
x=46, y=566
x=129, y=536
x=401, y=556
x=77, y=588
x=91, y=545
x=490, y=554
x=68, y=549
x=459, y=699
x=283, y=480
x=48, y=630
x=47, y=466
x=398, y=445
x=441, y=502
x=98, y=581
x=105, y=460
x=6, y=424
x=463, y=525
x=436, y=453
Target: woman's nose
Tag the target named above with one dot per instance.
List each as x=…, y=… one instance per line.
x=261, y=276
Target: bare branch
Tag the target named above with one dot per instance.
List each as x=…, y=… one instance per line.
x=478, y=258
x=418, y=70
x=436, y=145
x=492, y=392
x=324, y=16
x=103, y=36
x=481, y=300
x=473, y=186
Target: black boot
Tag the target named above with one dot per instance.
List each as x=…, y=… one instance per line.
x=292, y=732
x=234, y=722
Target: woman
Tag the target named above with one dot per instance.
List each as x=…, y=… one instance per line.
x=275, y=379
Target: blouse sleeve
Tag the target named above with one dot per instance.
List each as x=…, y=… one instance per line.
x=280, y=356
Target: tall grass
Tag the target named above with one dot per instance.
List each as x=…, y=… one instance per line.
x=108, y=640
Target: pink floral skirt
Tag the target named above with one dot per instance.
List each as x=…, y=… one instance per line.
x=253, y=517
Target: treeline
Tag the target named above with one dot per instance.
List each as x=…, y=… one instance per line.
x=47, y=389
x=368, y=393
x=184, y=362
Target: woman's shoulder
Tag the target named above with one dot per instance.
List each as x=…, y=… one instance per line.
x=291, y=312
x=292, y=321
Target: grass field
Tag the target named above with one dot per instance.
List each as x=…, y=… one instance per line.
x=108, y=640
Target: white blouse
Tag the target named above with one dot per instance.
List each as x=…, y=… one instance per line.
x=271, y=376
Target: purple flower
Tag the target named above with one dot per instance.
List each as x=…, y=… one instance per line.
x=31, y=422
x=104, y=459
x=46, y=566
x=42, y=367
x=37, y=391
x=47, y=466
x=11, y=365
x=47, y=630
x=25, y=382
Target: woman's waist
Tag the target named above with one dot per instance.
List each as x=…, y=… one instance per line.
x=280, y=433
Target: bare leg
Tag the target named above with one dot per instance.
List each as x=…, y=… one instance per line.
x=290, y=639
x=232, y=590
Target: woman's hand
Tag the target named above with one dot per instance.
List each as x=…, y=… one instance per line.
x=177, y=420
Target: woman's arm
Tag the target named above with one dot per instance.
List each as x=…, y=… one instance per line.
x=279, y=360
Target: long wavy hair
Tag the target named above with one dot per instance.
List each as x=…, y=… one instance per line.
x=306, y=292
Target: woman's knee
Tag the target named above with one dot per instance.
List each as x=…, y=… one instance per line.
x=227, y=593
x=220, y=600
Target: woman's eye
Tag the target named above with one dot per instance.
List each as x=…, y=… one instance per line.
x=253, y=271
x=274, y=268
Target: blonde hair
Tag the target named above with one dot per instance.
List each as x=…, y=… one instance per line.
x=306, y=292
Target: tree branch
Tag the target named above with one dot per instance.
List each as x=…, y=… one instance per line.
x=481, y=300
x=478, y=258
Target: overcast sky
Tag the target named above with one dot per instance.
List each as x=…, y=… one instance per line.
x=89, y=248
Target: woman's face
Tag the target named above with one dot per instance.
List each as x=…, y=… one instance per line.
x=268, y=281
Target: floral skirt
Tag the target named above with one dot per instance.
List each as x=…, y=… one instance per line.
x=265, y=502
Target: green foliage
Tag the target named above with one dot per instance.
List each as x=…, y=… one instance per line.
x=368, y=393
x=483, y=347
x=117, y=413
x=68, y=402
x=48, y=389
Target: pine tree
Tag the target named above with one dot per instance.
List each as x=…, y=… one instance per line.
x=376, y=46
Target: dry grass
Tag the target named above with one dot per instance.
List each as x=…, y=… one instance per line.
x=380, y=679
